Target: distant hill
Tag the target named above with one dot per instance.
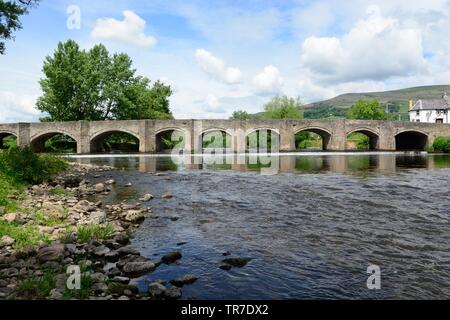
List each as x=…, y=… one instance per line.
x=402, y=96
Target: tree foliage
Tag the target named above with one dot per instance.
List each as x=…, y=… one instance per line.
x=10, y=13
x=283, y=108
x=367, y=110
x=95, y=85
x=241, y=115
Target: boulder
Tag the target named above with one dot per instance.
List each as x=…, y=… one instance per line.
x=99, y=187
x=110, y=182
x=97, y=217
x=173, y=293
x=171, y=257
x=156, y=290
x=236, y=262
x=184, y=280
x=52, y=210
x=147, y=197
x=137, y=269
x=120, y=288
x=10, y=217
x=101, y=251
x=135, y=215
x=6, y=241
x=54, y=252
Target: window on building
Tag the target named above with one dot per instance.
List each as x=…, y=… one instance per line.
x=417, y=113
x=439, y=120
x=418, y=120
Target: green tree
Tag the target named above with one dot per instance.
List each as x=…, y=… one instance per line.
x=95, y=85
x=367, y=110
x=10, y=13
x=283, y=108
x=241, y=115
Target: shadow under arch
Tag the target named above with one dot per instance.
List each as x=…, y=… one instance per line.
x=411, y=140
x=170, y=139
x=54, y=142
x=323, y=133
x=356, y=142
x=7, y=139
x=114, y=141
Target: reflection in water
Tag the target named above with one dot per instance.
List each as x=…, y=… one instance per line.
x=383, y=163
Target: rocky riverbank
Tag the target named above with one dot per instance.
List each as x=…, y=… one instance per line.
x=81, y=248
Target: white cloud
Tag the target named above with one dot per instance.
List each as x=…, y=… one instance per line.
x=376, y=48
x=216, y=68
x=130, y=30
x=17, y=108
x=269, y=81
x=212, y=104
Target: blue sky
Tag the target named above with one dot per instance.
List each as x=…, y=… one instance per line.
x=220, y=56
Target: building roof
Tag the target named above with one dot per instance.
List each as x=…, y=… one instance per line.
x=433, y=104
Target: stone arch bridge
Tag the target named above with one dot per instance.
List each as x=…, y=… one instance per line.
x=384, y=135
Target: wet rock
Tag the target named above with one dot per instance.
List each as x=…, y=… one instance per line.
x=236, y=262
x=100, y=287
x=167, y=196
x=174, y=218
x=122, y=238
x=156, y=290
x=185, y=280
x=99, y=187
x=171, y=257
x=53, y=253
x=137, y=269
x=124, y=251
x=110, y=182
x=102, y=251
x=98, y=277
x=135, y=215
x=147, y=197
x=122, y=280
x=120, y=288
x=112, y=256
x=179, y=244
x=6, y=241
x=173, y=293
x=225, y=267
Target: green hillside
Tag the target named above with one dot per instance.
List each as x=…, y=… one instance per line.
x=396, y=102
x=402, y=95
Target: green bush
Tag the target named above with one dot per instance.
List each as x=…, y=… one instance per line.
x=442, y=144
x=22, y=165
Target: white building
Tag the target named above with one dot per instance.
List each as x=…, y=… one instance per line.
x=430, y=111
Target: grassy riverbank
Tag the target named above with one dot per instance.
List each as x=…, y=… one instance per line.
x=20, y=168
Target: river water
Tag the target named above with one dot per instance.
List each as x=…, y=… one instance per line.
x=311, y=228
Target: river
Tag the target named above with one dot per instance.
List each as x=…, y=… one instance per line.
x=311, y=228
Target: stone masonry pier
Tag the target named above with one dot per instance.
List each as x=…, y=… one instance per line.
x=384, y=135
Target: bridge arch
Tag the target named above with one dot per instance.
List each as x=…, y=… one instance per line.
x=122, y=139
x=272, y=139
x=65, y=139
x=216, y=138
x=322, y=132
x=7, y=134
x=411, y=139
x=170, y=138
x=373, y=136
